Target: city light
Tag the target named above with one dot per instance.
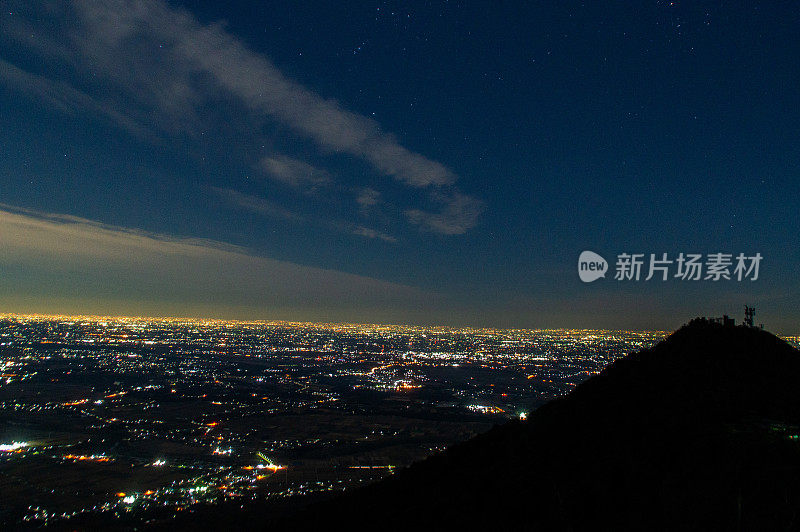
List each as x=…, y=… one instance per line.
x=233, y=409
x=10, y=447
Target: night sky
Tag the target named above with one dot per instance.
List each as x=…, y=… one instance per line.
x=430, y=163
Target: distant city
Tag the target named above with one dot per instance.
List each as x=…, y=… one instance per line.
x=146, y=418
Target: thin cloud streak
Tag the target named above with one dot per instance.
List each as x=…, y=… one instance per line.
x=66, y=98
x=372, y=233
x=48, y=257
x=460, y=213
x=254, y=204
x=295, y=173
x=367, y=197
x=267, y=208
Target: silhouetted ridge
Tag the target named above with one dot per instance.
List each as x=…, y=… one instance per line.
x=699, y=432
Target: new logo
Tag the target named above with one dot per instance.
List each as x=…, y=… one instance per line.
x=591, y=266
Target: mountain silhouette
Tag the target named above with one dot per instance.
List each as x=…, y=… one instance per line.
x=700, y=432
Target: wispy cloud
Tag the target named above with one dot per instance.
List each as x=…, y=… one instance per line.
x=157, y=65
x=254, y=204
x=372, y=233
x=270, y=209
x=459, y=214
x=66, y=98
x=49, y=257
x=294, y=172
x=367, y=197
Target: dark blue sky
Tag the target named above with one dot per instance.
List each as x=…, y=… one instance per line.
x=435, y=162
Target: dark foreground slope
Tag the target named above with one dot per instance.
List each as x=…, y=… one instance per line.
x=697, y=433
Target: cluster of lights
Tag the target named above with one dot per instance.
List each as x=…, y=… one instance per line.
x=13, y=446
x=224, y=452
x=195, y=366
x=89, y=458
x=484, y=409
